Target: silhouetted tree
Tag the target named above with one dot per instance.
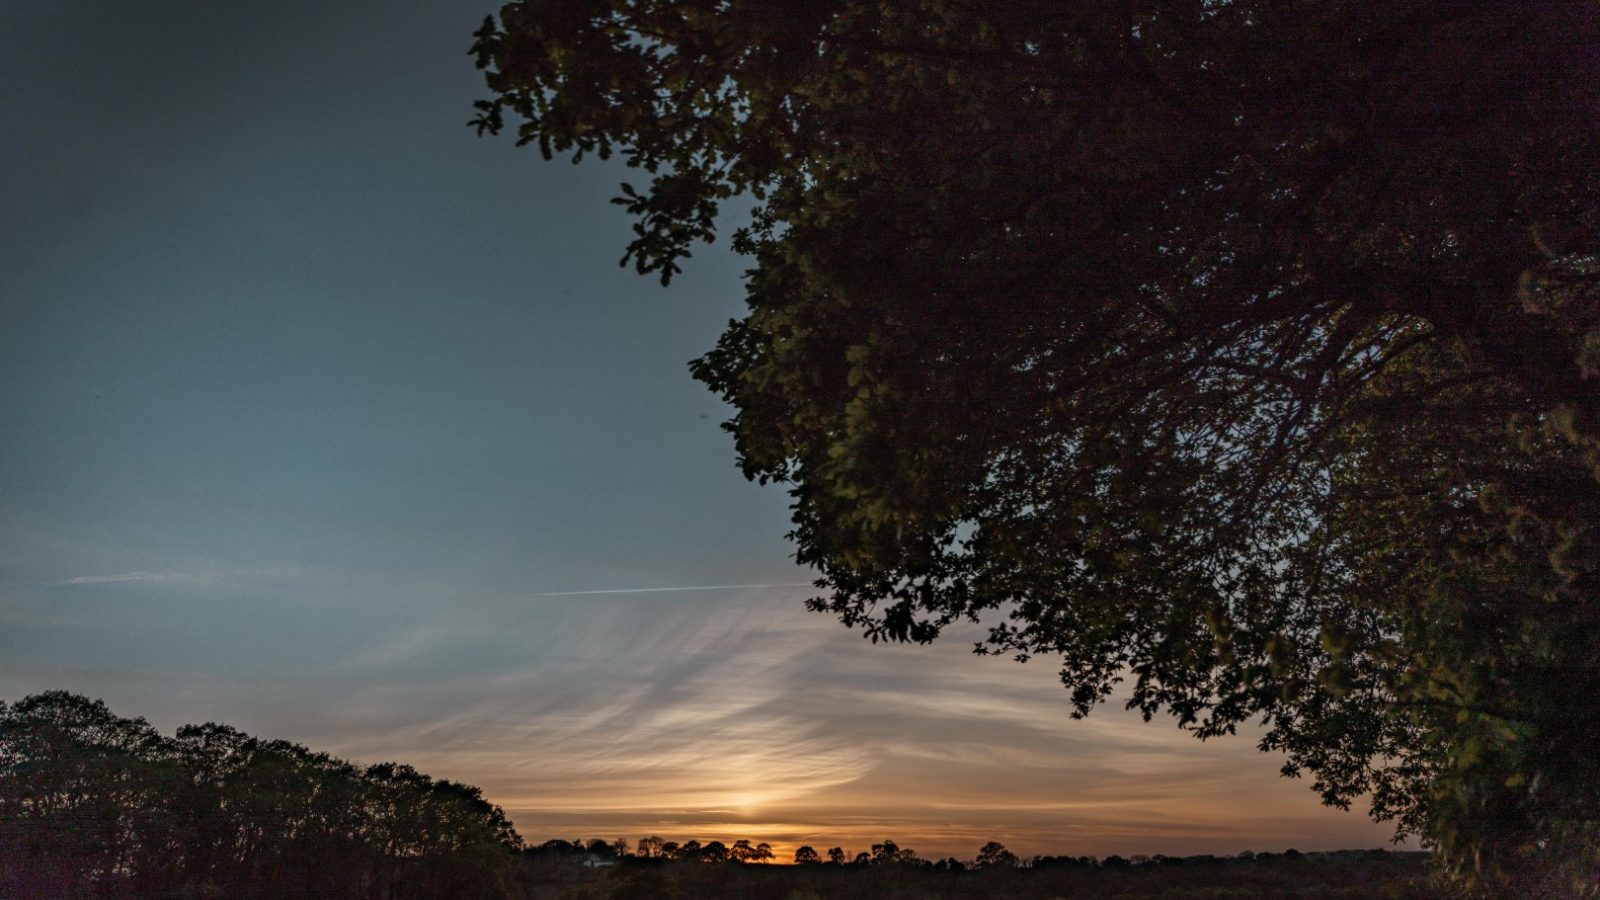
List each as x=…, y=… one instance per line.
x=714, y=851
x=93, y=804
x=742, y=851
x=806, y=855
x=994, y=853
x=890, y=852
x=559, y=847
x=886, y=852
x=73, y=779
x=439, y=838
x=1061, y=862
x=836, y=856
x=1244, y=349
x=649, y=847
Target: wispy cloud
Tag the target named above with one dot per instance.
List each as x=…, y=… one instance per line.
x=129, y=576
x=207, y=576
x=729, y=716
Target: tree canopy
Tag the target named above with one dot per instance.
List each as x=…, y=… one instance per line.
x=93, y=804
x=995, y=853
x=1239, y=352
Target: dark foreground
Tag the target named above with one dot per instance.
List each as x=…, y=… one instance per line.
x=1352, y=874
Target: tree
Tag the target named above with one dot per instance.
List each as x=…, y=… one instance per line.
x=744, y=852
x=559, y=847
x=74, y=779
x=994, y=853
x=1240, y=351
x=714, y=851
x=650, y=847
x=95, y=804
x=806, y=855
x=886, y=852
x=836, y=856
x=889, y=852
x=434, y=837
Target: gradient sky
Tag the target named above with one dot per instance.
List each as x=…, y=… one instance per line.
x=318, y=409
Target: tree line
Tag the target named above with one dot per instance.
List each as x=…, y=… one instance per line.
x=93, y=804
x=654, y=848
x=992, y=855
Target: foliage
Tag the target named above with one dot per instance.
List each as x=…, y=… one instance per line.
x=1241, y=349
x=95, y=804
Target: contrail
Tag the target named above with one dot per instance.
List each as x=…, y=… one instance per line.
x=668, y=590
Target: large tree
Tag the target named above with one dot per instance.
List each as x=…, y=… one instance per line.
x=1240, y=350
x=92, y=804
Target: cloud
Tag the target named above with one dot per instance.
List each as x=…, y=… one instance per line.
x=128, y=576
x=736, y=715
x=204, y=576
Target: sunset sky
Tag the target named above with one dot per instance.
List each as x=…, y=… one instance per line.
x=328, y=420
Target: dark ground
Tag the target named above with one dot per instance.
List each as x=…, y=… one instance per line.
x=1349, y=874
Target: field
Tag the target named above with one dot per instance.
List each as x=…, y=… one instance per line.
x=1349, y=874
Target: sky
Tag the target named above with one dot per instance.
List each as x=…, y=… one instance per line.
x=328, y=420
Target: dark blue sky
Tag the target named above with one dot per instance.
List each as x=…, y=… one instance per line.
x=309, y=394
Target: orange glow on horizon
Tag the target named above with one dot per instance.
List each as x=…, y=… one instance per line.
x=784, y=729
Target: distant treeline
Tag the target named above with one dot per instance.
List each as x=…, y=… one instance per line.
x=993, y=854
x=742, y=851
x=95, y=805
x=579, y=870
